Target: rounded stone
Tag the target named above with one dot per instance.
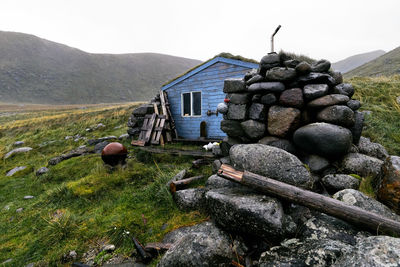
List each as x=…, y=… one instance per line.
x=268, y=99
x=312, y=91
x=337, y=182
x=354, y=104
x=281, y=74
x=344, y=89
x=232, y=128
x=267, y=87
x=339, y=115
x=258, y=112
x=253, y=129
x=303, y=68
x=282, y=120
x=324, y=139
x=321, y=66
x=328, y=100
x=292, y=98
x=268, y=62
x=114, y=153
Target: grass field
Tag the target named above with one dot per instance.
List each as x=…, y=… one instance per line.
x=79, y=204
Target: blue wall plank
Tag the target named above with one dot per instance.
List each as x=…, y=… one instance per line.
x=210, y=81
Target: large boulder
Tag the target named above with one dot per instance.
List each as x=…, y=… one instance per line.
x=236, y=112
x=271, y=162
x=282, y=121
x=344, y=89
x=249, y=213
x=267, y=87
x=317, y=78
x=313, y=91
x=234, y=85
x=205, y=245
x=232, y=128
x=215, y=182
x=372, y=251
x=280, y=74
x=337, y=182
x=387, y=185
x=365, y=146
x=292, y=98
x=268, y=62
x=303, y=68
x=328, y=100
x=321, y=66
x=359, y=199
x=324, y=139
x=339, y=115
x=362, y=165
x=190, y=199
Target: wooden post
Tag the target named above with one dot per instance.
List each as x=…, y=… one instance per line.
x=181, y=184
x=355, y=215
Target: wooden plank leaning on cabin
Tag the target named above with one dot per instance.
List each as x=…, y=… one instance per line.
x=146, y=130
x=360, y=217
x=165, y=112
x=171, y=119
x=158, y=129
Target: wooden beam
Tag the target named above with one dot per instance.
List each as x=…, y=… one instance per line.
x=352, y=214
x=184, y=183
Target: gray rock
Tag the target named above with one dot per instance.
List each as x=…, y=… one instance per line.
x=337, y=76
x=98, y=148
x=322, y=226
x=316, y=78
x=362, y=165
x=292, y=98
x=236, y=98
x=321, y=66
x=28, y=197
x=268, y=99
x=291, y=63
x=133, y=131
x=232, y=128
x=272, y=162
x=222, y=108
x=257, y=112
x=280, y=74
x=228, y=142
x=268, y=62
x=358, y=199
x=177, y=234
x=6, y=261
x=208, y=246
x=215, y=182
x=17, y=151
x=337, y=182
x=316, y=163
x=15, y=170
x=225, y=160
x=253, y=129
x=256, y=98
x=356, y=130
x=303, y=68
x=282, y=121
x=234, y=85
x=267, y=87
x=101, y=139
x=279, y=143
x=255, y=79
x=108, y=248
x=339, y=115
x=123, y=136
x=18, y=143
x=179, y=176
x=372, y=251
x=237, y=112
x=313, y=91
x=19, y=210
x=328, y=100
x=365, y=146
x=344, y=89
x=293, y=252
x=190, y=199
x=354, y=104
x=324, y=139
x=241, y=211
x=215, y=165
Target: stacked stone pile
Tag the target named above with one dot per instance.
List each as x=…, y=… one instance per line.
x=135, y=121
x=304, y=106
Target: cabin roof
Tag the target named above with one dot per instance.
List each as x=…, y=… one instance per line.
x=223, y=57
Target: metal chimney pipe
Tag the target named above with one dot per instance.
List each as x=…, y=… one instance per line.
x=272, y=38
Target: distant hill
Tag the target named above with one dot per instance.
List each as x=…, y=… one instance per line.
x=35, y=70
x=355, y=61
x=385, y=65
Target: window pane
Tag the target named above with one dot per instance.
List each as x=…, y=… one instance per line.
x=196, y=103
x=186, y=104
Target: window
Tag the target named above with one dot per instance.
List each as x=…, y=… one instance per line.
x=191, y=104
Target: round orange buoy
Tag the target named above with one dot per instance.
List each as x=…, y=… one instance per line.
x=114, y=154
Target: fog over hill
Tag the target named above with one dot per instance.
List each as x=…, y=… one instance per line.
x=355, y=61
x=35, y=70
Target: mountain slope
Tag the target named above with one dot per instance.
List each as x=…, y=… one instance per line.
x=40, y=71
x=388, y=64
x=355, y=61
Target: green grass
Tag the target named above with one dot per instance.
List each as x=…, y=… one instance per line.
x=80, y=201
x=378, y=95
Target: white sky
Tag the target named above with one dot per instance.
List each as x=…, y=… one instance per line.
x=203, y=28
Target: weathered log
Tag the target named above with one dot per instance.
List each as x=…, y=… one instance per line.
x=181, y=184
x=352, y=214
x=157, y=248
x=139, y=247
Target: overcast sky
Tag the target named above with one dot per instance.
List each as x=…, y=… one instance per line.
x=203, y=28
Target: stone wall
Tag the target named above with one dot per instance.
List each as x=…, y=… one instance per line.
x=296, y=106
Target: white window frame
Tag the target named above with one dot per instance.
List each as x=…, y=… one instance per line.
x=191, y=105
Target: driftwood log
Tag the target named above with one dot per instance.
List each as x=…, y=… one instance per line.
x=181, y=184
x=352, y=214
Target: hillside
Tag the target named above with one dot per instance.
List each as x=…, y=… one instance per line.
x=388, y=64
x=35, y=70
x=355, y=61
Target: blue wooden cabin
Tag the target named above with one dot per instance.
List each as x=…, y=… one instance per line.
x=198, y=92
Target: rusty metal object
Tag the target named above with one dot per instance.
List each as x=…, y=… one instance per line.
x=114, y=154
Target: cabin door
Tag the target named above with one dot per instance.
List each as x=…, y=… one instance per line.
x=203, y=130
